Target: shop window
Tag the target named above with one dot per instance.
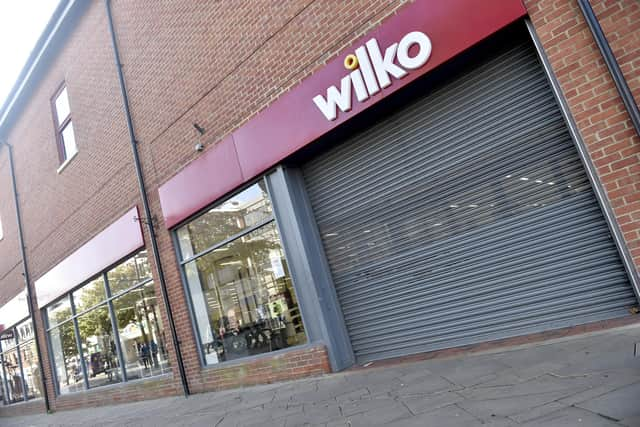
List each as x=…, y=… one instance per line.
x=66, y=358
x=90, y=295
x=19, y=370
x=127, y=274
x=59, y=311
x=241, y=291
x=109, y=330
x=140, y=330
x=65, y=136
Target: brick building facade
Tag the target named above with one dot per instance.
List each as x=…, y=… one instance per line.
x=203, y=73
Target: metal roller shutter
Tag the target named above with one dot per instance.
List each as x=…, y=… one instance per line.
x=465, y=217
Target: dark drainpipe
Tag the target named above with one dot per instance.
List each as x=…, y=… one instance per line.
x=145, y=202
x=612, y=63
x=25, y=273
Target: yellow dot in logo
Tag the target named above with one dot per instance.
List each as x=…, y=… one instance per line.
x=351, y=62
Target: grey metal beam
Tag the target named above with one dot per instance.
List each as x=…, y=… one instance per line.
x=312, y=279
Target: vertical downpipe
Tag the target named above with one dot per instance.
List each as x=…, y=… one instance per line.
x=145, y=202
x=27, y=280
x=612, y=64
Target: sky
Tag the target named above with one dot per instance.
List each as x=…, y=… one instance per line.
x=21, y=23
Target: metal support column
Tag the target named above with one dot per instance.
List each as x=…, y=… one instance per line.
x=27, y=280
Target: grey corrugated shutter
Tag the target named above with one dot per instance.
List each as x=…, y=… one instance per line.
x=466, y=216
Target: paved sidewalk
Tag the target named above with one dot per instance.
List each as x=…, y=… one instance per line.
x=588, y=380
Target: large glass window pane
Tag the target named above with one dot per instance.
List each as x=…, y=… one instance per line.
x=31, y=370
x=89, y=295
x=142, y=337
x=99, y=347
x=244, y=299
x=69, y=141
x=62, y=106
x=15, y=386
x=66, y=359
x=131, y=272
x=59, y=311
x=244, y=210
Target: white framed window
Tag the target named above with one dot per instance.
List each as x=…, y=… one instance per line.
x=65, y=136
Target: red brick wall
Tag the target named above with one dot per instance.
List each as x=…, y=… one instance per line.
x=153, y=388
x=208, y=62
x=293, y=364
x=61, y=211
x=217, y=64
x=11, y=280
x=26, y=408
x=592, y=97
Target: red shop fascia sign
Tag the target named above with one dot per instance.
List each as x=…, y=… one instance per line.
x=418, y=38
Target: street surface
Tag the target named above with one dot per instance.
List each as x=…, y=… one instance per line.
x=588, y=380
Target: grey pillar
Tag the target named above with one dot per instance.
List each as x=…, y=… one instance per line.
x=321, y=313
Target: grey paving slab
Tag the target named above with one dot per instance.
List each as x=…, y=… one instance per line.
x=535, y=370
x=508, y=406
x=538, y=412
x=246, y=416
x=355, y=395
x=549, y=382
x=431, y=402
x=571, y=417
x=630, y=422
x=430, y=384
x=200, y=420
x=357, y=407
x=286, y=391
x=623, y=403
x=543, y=353
x=504, y=378
x=590, y=380
x=386, y=414
x=314, y=414
x=478, y=372
x=449, y=416
x=597, y=391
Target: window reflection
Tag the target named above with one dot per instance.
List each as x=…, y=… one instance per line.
x=98, y=347
x=242, y=293
x=19, y=371
x=139, y=341
x=15, y=385
x=142, y=336
x=90, y=295
x=59, y=311
x=246, y=209
x=31, y=370
x=129, y=273
x=67, y=362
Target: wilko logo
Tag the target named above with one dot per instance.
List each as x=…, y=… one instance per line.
x=372, y=71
